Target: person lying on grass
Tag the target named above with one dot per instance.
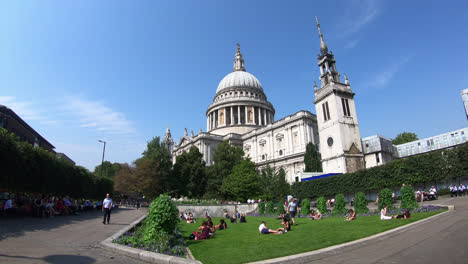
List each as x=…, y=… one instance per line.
x=405, y=215
x=222, y=225
x=351, y=215
x=265, y=230
x=205, y=232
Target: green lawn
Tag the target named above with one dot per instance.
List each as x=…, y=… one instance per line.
x=242, y=243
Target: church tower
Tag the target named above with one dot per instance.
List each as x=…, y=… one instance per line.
x=168, y=142
x=340, y=140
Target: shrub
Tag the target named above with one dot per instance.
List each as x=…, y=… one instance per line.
x=322, y=205
x=270, y=208
x=161, y=220
x=445, y=191
x=280, y=208
x=305, y=207
x=385, y=198
x=340, y=204
x=261, y=208
x=360, y=203
x=408, y=199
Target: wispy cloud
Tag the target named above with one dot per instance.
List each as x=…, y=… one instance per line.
x=362, y=13
x=98, y=116
x=351, y=44
x=24, y=109
x=384, y=77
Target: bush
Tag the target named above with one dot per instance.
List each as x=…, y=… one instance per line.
x=408, y=199
x=305, y=207
x=270, y=208
x=445, y=191
x=322, y=205
x=261, y=208
x=340, y=204
x=161, y=220
x=439, y=165
x=280, y=208
x=385, y=198
x=360, y=203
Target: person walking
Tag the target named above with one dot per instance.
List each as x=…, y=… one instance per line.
x=292, y=209
x=106, y=208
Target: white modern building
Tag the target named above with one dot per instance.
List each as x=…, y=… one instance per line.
x=464, y=95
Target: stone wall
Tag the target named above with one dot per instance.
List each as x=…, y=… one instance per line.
x=199, y=211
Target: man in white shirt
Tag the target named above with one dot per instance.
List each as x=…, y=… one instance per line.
x=106, y=208
x=453, y=191
x=461, y=189
x=292, y=209
x=263, y=229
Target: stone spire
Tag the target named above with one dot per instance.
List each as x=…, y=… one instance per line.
x=346, y=79
x=238, y=60
x=191, y=134
x=315, y=87
x=185, y=132
x=168, y=142
x=323, y=46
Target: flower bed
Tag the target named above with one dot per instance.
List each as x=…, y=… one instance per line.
x=172, y=245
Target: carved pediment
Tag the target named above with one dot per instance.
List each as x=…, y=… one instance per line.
x=353, y=150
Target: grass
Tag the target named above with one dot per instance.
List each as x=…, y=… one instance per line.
x=242, y=243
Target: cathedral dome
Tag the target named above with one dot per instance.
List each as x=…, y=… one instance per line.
x=239, y=79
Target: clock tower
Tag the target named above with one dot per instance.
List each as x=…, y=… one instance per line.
x=338, y=127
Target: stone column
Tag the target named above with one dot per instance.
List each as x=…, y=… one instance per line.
x=238, y=115
x=246, y=115
x=259, y=116
x=264, y=117
x=219, y=123
x=208, y=122
x=232, y=116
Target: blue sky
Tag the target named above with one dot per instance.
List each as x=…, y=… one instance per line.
x=121, y=71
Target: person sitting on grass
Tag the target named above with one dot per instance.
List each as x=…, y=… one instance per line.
x=265, y=230
x=281, y=216
x=351, y=215
x=286, y=224
x=205, y=232
x=190, y=219
x=222, y=225
x=405, y=215
x=383, y=214
x=242, y=219
x=315, y=215
x=233, y=218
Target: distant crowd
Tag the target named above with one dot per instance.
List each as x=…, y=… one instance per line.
x=45, y=205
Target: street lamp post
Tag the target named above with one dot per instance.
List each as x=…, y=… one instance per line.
x=103, y=151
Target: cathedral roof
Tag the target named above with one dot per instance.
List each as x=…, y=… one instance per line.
x=239, y=79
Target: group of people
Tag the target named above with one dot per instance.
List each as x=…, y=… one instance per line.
x=208, y=229
x=384, y=216
x=457, y=190
x=188, y=217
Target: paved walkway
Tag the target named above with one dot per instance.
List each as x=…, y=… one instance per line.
x=65, y=239
x=442, y=240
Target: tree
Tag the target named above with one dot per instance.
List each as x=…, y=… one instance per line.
x=312, y=159
x=408, y=199
x=404, y=137
x=157, y=153
x=109, y=169
x=242, y=183
x=273, y=183
x=385, y=198
x=189, y=170
x=225, y=157
x=148, y=178
x=340, y=204
x=360, y=203
x=125, y=181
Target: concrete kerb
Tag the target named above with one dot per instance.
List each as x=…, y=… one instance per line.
x=338, y=249
x=142, y=254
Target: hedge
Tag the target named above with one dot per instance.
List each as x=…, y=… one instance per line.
x=35, y=170
x=430, y=167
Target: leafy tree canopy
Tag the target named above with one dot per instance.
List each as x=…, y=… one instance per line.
x=109, y=169
x=243, y=182
x=189, y=174
x=405, y=137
